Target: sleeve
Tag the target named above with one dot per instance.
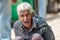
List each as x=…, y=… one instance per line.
x=48, y=33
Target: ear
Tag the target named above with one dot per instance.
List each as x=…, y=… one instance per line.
x=33, y=14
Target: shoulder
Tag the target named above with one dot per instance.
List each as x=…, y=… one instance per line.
x=40, y=21
x=17, y=23
x=42, y=24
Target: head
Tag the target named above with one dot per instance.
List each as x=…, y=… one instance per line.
x=25, y=14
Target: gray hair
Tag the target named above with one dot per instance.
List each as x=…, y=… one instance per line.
x=24, y=6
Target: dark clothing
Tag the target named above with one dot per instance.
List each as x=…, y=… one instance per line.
x=39, y=26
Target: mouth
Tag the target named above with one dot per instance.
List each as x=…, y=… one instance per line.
x=27, y=22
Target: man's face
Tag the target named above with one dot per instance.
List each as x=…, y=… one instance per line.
x=25, y=17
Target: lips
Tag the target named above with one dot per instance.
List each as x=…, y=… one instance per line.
x=27, y=22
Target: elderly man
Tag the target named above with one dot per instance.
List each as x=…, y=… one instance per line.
x=30, y=27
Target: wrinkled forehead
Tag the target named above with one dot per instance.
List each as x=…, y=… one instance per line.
x=27, y=10
x=24, y=12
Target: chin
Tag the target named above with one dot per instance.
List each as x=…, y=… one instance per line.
x=27, y=25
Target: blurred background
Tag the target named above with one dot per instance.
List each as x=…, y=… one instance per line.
x=48, y=9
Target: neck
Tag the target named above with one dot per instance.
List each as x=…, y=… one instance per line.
x=29, y=27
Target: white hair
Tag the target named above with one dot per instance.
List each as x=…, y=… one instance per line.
x=24, y=6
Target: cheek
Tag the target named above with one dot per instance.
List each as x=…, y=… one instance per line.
x=29, y=17
x=21, y=19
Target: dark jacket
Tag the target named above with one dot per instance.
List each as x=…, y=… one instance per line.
x=41, y=27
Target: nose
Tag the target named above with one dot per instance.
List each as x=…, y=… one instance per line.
x=25, y=18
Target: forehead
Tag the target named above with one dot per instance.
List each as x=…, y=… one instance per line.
x=24, y=11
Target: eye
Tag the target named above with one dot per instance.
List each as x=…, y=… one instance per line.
x=27, y=14
x=21, y=15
